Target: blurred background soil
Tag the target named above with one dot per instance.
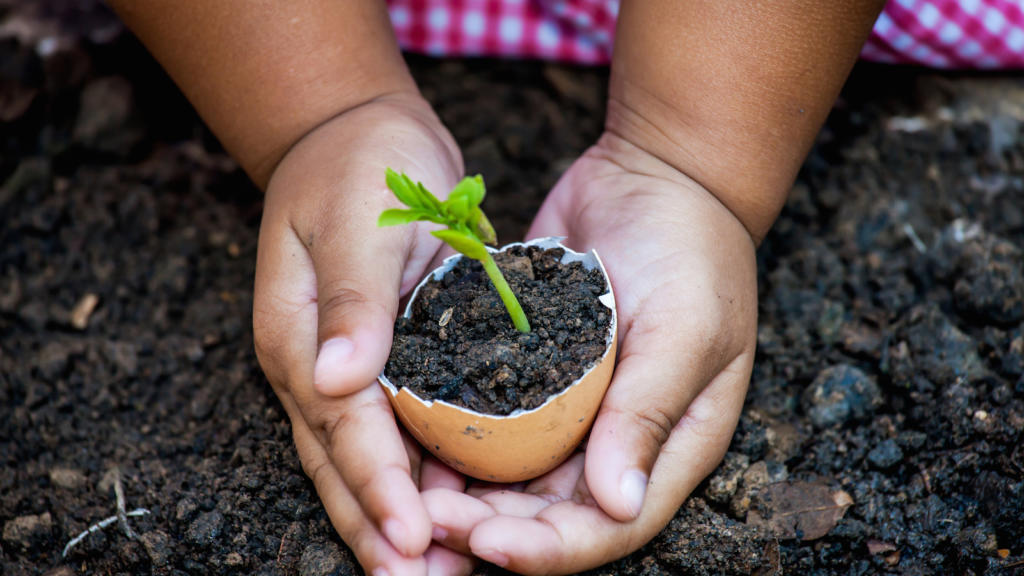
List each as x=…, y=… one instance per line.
x=884, y=429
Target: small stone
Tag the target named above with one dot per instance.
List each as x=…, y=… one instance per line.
x=158, y=546
x=755, y=477
x=67, y=478
x=940, y=350
x=62, y=570
x=518, y=265
x=320, y=559
x=783, y=439
x=991, y=286
x=205, y=528
x=840, y=394
x=234, y=559
x=186, y=506
x=28, y=531
x=723, y=483
x=885, y=455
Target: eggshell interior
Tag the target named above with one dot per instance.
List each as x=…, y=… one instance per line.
x=526, y=443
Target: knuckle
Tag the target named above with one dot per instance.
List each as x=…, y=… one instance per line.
x=315, y=469
x=341, y=297
x=334, y=427
x=654, y=423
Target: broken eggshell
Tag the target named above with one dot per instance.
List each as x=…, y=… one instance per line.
x=526, y=443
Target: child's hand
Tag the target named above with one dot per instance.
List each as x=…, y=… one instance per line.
x=683, y=270
x=327, y=288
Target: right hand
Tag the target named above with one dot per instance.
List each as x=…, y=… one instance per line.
x=328, y=283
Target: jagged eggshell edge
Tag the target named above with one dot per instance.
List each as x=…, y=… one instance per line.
x=526, y=443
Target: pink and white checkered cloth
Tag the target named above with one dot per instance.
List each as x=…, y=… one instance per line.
x=933, y=33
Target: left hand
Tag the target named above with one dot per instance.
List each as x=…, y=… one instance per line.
x=684, y=274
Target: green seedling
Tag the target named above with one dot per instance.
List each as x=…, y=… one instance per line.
x=467, y=228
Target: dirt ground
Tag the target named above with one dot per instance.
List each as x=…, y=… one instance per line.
x=889, y=381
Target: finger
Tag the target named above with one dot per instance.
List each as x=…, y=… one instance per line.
x=478, y=489
x=374, y=552
x=644, y=402
x=415, y=454
x=569, y=537
x=442, y=561
x=659, y=373
x=364, y=443
x=560, y=483
x=358, y=276
x=284, y=307
x=435, y=474
x=454, y=515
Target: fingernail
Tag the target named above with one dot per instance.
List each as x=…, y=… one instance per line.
x=380, y=572
x=633, y=486
x=438, y=533
x=330, y=362
x=394, y=531
x=496, y=557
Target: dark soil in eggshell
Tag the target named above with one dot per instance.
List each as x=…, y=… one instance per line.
x=890, y=357
x=459, y=345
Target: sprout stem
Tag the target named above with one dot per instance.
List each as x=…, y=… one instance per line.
x=507, y=297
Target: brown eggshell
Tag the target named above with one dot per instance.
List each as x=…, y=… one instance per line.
x=521, y=445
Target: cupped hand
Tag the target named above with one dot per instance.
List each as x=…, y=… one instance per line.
x=683, y=271
x=328, y=282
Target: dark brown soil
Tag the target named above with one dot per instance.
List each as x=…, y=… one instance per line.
x=891, y=345
x=459, y=344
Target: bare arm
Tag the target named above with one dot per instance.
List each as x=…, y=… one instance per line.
x=263, y=73
x=313, y=99
x=733, y=93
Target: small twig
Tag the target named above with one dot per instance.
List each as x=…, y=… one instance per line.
x=914, y=238
x=101, y=525
x=122, y=516
x=112, y=477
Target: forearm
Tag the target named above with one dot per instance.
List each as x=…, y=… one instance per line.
x=733, y=93
x=263, y=73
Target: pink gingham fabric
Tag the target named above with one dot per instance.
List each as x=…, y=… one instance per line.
x=949, y=34
x=935, y=33
x=578, y=31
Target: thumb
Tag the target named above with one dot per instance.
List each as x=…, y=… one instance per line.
x=357, y=287
x=645, y=401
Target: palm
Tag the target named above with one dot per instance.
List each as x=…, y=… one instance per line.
x=683, y=274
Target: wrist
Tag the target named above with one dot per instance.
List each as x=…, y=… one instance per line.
x=751, y=181
x=667, y=190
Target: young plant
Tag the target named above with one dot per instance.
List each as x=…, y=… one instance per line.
x=467, y=227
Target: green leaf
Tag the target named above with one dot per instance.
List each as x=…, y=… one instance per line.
x=472, y=188
x=482, y=227
x=463, y=243
x=405, y=193
x=421, y=196
x=395, y=217
x=457, y=208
